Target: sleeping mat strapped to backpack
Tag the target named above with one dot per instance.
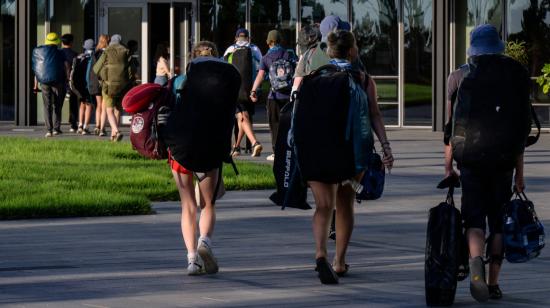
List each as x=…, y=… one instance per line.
x=198, y=131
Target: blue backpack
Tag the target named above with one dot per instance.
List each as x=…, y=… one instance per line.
x=523, y=231
x=48, y=64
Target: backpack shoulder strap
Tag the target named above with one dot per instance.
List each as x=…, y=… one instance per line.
x=533, y=139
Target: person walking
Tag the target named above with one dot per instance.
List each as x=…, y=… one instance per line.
x=329, y=194
x=94, y=86
x=50, y=70
x=279, y=64
x=246, y=58
x=162, y=65
x=113, y=69
x=67, y=48
x=79, y=86
x=489, y=97
x=186, y=133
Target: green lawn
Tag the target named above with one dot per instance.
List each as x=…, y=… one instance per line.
x=67, y=178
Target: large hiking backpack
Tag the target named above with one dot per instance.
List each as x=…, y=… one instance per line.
x=144, y=102
x=242, y=59
x=77, y=81
x=291, y=190
x=523, y=231
x=319, y=126
x=116, y=71
x=281, y=73
x=48, y=64
x=198, y=132
x=446, y=256
x=492, y=113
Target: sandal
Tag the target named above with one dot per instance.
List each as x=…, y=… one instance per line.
x=326, y=273
x=236, y=151
x=342, y=273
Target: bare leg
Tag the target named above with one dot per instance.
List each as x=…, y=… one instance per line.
x=184, y=182
x=476, y=242
x=112, y=121
x=495, y=265
x=87, y=115
x=81, y=110
x=98, y=111
x=344, y=225
x=325, y=199
x=208, y=214
x=103, y=116
x=245, y=128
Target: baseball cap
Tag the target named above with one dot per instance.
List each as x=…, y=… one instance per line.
x=242, y=31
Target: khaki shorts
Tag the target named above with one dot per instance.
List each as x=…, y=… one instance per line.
x=112, y=102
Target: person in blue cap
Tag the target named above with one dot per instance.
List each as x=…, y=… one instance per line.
x=484, y=192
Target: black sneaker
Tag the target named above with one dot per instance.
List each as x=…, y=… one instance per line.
x=495, y=292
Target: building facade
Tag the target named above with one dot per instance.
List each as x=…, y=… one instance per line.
x=408, y=46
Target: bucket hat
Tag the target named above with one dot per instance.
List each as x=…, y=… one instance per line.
x=52, y=39
x=484, y=39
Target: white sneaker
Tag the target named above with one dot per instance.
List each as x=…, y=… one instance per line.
x=205, y=253
x=195, y=266
x=271, y=157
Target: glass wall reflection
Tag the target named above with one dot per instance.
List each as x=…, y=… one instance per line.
x=469, y=14
x=266, y=15
x=375, y=25
x=7, y=60
x=417, y=22
x=313, y=11
x=220, y=19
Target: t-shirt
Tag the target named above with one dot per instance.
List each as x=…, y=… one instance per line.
x=69, y=55
x=271, y=56
x=453, y=82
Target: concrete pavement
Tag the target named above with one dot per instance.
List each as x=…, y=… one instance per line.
x=265, y=254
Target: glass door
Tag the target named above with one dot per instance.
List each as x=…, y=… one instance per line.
x=130, y=21
x=181, y=36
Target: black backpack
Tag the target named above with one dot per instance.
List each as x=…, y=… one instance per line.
x=291, y=190
x=492, y=114
x=241, y=58
x=198, y=131
x=77, y=82
x=446, y=255
x=320, y=119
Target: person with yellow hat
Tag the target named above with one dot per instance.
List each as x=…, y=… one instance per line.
x=50, y=70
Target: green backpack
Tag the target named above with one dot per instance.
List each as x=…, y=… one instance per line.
x=115, y=72
x=316, y=57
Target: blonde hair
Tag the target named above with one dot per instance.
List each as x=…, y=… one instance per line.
x=205, y=49
x=340, y=43
x=102, y=42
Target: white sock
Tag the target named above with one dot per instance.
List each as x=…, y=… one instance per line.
x=192, y=256
x=206, y=240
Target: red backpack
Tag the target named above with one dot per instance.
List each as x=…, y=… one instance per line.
x=144, y=102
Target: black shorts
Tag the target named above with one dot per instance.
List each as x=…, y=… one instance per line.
x=245, y=106
x=484, y=195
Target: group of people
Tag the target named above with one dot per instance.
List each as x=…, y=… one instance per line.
x=96, y=78
x=331, y=42
x=484, y=192
x=328, y=43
